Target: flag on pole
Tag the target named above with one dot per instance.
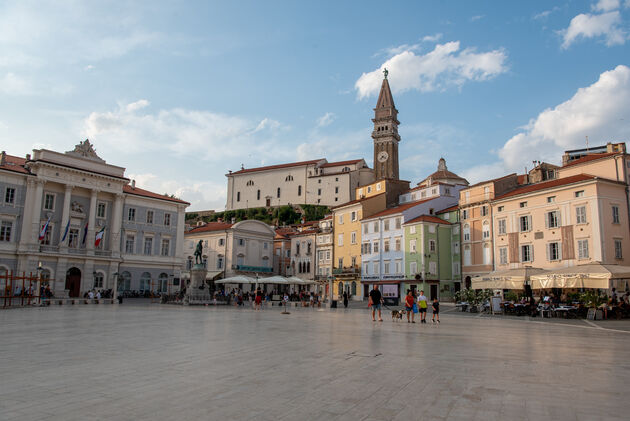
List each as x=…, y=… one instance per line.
x=99, y=237
x=85, y=233
x=65, y=232
x=42, y=233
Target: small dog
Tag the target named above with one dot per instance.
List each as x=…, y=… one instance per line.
x=397, y=315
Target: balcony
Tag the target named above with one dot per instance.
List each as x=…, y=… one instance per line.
x=263, y=269
x=49, y=249
x=353, y=270
x=103, y=253
x=77, y=251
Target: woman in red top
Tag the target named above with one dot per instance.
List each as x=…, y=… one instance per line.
x=409, y=301
x=258, y=300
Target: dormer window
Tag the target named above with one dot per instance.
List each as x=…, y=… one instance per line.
x=346, y=169
x=289, y=178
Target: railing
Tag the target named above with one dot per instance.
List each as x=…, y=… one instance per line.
x=49, y=249
x=106, y=253
x=343, y=271
x=77, y=251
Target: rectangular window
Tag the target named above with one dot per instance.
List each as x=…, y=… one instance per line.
x=340, y=262
x=386, y=225
x=366, y=268
x=579, y=193
x=386, y=245
x=220, y=262
x=278, y=193
x=456, y=268
x=5, y=230
x=366, y=228
x=238, y=196
x=375, y=246
x=131, y=214
x=500, y=208
x=553, y=219
x=553, y=251
x=148, y=246
x=412, y=246
x=100, y=210
x=376, y=268
x=221, y=241
x=615, y=214
x=582, y=249
x=47, y=234
x=366, y=248
x=167, y=219
x=130, y=241
x=386, y=268
x=9, y=195
x=432, y=268
x=467, y=196
x=353, y=216
x=525, y=223
x=376, y=226
x=503, y=256
x=465, y=214
x=580, y=215
x=319, y=192
x=336, y=189
x=149, y=217
x=432, y=246
x=327, y=254
x=551, y=199
x=166, y=247
x=340, y=240
x=412, y=229
x=266, y=245
x=413, y=268
x=523, y=204
x=398, y=244
x=526, y=253
x=49, y=201
x=73, y=238
x=241, y=242
x=484, y=210
x=341, y=219
x=397, y=223
x=353, y=237
x=502, y=226
x=398, y=267
x=618, y=251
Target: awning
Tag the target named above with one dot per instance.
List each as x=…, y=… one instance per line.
x=280, y=280
x=505, y=279
x=239, y=279
x=213, y=274
x=592, y=275
x=299, y=281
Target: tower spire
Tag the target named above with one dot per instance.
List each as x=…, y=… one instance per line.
x=385, y=134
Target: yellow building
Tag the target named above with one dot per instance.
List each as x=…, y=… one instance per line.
x=347, y=242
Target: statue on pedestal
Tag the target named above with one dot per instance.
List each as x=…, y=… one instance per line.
x=198, y=253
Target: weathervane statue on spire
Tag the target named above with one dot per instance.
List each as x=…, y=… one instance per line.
x=385, y=73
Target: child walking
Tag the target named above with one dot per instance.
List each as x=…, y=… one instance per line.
x=436, y=310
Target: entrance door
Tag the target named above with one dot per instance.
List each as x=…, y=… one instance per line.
x=434, y=291
x=458, y=286
x=268, y=202
x=73, y=282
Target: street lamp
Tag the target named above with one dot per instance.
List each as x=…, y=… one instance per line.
x=115, y=289
x=39, y=280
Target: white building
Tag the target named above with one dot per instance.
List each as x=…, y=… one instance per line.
x=316, y=182
x=77, y=194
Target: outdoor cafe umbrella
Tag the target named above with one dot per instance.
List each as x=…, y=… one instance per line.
x=505, y=279
x=274, y=280
x=239, y=279
x=591, y=275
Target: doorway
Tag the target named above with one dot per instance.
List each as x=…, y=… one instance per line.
x=268, y=202
x=434, y=291
x=73, y=282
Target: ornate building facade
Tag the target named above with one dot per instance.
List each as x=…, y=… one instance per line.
x=85, y=225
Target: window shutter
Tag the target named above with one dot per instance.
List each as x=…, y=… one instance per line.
x=547, y=218
x=559, y=251
x=548, y=249
x=529, y=223
x=559, y=219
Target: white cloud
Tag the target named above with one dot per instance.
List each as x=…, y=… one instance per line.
x=88, y=67
x=12, y=84
x=439, y=69
x=432, y=38
x=326, y=120
x=545, y=13
x=586, y=25
x=606, y=5
x=138, y=105
x=597, y=111
x=477, y=17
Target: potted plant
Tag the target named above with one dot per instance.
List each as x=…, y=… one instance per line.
x=593, y=300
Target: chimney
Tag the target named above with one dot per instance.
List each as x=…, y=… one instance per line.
x=28, y=156
x=3, y=158
x=133, y=184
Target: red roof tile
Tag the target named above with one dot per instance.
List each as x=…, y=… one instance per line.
x=547, y=185
x=15, y=164
x=352, y=202
x=491, y=180
x=209, y=227
x=428, y=218
x=305, y=232
x=337, y=164
x=397, y=209
x=449, y=209
x=275, y=167
x=590, y=157
x=145, y=193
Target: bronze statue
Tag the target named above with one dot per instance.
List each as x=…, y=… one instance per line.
x=385, y=73
x=198, y=252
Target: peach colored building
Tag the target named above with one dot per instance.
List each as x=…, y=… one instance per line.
x=476, y=221
x=560, y=223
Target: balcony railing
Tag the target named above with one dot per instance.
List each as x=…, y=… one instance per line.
x=346, y=271
x=104, y=253
x=49, y=249
x=77, y=251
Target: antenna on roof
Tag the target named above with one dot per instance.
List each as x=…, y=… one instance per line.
x=586, y=144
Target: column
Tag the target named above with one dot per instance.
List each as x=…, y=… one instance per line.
x=37, y=210
x=179, y=239
x=116, y=225
x=89, y=241
x=65, y=217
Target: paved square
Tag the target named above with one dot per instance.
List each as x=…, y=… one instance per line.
x=159, y=362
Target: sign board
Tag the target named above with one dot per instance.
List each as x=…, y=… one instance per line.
x=591, y=314
x=390, y=291
x=496, y=304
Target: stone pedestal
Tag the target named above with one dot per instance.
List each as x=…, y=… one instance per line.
x=197, y=291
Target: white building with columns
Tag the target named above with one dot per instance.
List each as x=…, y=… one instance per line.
x=79, y=195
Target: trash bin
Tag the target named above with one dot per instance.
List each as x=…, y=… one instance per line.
x=333, y=304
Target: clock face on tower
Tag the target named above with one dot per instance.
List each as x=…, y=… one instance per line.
x=382, y=156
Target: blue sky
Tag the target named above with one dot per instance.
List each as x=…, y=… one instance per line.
x=181, y=92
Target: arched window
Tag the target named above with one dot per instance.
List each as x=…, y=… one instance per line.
x=278, y=192
x=346, y=169
x=124, y=281
x=145, y=281
x=340, y=288
x=299, y=190
x=486, y=254
x=250, y=183
x=289, y=178
x=486, y=230
x=467, y=260
x=466, y=232
x=258, y=195
x=163, y=282
x=354, y=288
x=308, y=267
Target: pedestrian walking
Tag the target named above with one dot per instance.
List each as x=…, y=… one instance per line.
x=422, y=307
x=345, y=299
x=376, y=299
x=409, y=302
x=258, y=299
x=436, y=310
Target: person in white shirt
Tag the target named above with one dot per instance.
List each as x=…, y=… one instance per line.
x=98, y=295
x=422, y=307
x=91, y=295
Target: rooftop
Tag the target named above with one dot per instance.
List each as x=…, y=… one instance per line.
x=210, y=226
x=547, y=185
x=352, y=202
x=340, y=163
x=588, y=158
x=397, y=209
x=427, y=218
x=15, y=164
x=275, y=167
x=145, y=193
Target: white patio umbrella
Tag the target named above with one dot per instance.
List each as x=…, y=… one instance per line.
x=280, y=280
x=505, y=279
x=591, y=275
x=239, y=279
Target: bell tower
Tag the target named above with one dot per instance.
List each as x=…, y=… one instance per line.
x=385, y=134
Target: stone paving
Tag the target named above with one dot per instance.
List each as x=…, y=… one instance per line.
x=161, y=362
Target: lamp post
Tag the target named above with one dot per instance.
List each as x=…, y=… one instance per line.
x=39, y=280
x=115, y=289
